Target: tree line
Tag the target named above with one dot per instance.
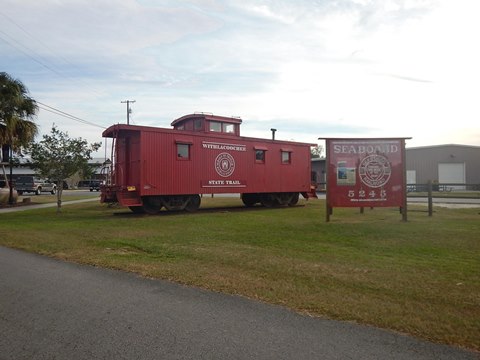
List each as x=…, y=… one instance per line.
x=56, y=157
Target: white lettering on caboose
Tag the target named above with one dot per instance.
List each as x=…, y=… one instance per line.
x=223, y=146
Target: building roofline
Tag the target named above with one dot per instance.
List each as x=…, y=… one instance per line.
x=442, y=145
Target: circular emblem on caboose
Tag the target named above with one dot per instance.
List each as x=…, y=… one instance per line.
x=375, y=170
x=224, y=164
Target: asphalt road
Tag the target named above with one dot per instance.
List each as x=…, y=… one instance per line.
x=447, y=202
x=50, y=309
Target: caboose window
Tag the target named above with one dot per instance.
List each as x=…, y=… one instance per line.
x=286, y=157
x=260, y=156
x=198, y=125
x=183, y=151
x=215, y=126
x=223, y=127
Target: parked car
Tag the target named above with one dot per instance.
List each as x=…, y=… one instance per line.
x=89, y=184
x=32, y=184
x=95, y=185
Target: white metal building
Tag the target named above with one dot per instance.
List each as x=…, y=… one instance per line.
x=443, y=164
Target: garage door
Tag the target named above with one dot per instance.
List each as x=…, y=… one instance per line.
x=452, y=173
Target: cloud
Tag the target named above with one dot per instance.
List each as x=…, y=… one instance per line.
x=103, y=27
x=298, y=129
x=390, y=13
x=307, y=67
x=406, y=78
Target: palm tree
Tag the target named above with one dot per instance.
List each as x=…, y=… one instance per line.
x=16, y=112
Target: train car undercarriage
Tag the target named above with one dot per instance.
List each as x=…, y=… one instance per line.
x=190, y=203
x=153, y=204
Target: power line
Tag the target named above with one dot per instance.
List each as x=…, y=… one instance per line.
x=66, y=115
x=35, y=56
x=34, y=38
x=28, y=52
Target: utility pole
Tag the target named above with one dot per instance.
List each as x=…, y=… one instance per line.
x=128, y=102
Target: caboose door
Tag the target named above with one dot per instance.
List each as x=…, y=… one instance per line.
x=128, y=160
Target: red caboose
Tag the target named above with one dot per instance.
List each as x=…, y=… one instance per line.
x=203, y=154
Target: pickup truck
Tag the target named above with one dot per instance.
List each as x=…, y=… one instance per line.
x=31, y=184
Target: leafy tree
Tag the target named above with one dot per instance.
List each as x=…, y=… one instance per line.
x=57, y=157
x=16, y=112
x=316, y=151
x=86, y=172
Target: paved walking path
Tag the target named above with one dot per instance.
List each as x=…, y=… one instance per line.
x=47, y=205
x=50, y=309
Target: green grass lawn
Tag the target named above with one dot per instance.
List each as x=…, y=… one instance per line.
x=421, y=277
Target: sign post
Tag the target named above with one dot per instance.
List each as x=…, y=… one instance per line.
x=366, y=172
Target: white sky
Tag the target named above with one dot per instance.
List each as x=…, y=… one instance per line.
x=310, y=68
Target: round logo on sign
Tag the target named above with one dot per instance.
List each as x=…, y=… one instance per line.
x=224, y=164
x=375, y=170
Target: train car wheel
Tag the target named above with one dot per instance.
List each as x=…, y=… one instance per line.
x=268, y=200
x=137, y=209
x=283, y=198
x=294, y=199
x=193, y=203
x=250, y=200
x=174, y=202
x=151, y=205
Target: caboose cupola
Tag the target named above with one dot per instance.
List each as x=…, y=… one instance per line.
x=208, y=123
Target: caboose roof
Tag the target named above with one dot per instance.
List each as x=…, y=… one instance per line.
x=225, y=119
x=117, y=128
